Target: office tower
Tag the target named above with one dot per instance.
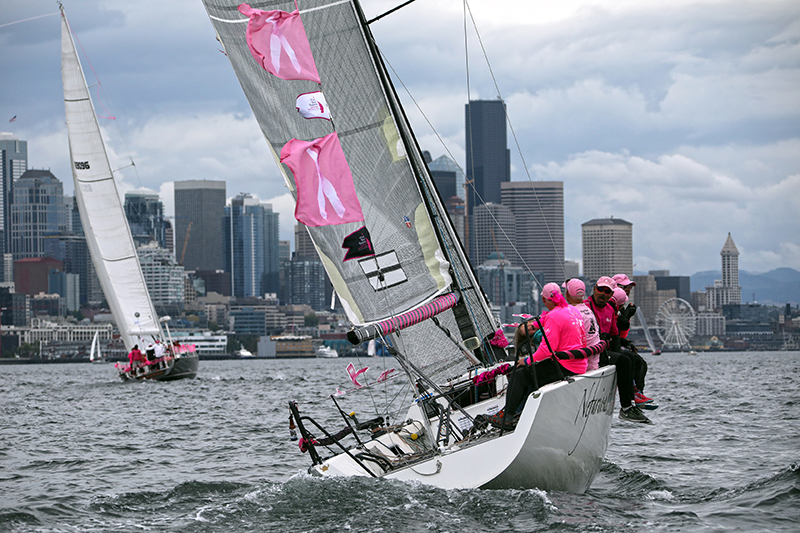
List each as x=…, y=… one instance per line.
x=680, y=284
x=284, y=251
x=495, y=232
x=607, y=247
x=39, y=209
x=488, y=158
x=199, y=208
x=538, y=207
x=13, y=163
x=726, y=290
x=303, y=245
x=444, y=172
x=251, y=246
x=145, y=214
x=73, y=252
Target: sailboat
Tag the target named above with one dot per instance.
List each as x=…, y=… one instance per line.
x=108, y=235
x=647, y=335
x=325, y=103
x=95, y=355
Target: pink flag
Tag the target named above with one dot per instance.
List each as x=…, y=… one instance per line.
x=278, y=42
x=353, y=373
x=385, y=375
x=313, y=105
x=326, y=194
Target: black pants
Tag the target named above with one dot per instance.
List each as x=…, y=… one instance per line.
x=639, y=369
x=624, y=374
x=527, y=378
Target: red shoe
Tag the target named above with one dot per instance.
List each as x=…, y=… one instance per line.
x=640, y=398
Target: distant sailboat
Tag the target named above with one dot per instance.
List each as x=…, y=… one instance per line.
x=105, y=225
x=95, y=356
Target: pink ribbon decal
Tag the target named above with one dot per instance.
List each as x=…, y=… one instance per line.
x=278, y=42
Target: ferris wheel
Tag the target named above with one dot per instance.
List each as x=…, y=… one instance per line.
x=676, y=323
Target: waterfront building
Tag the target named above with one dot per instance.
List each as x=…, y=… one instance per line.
x=538, y=207
x=39, y=209
x=508, y=286
x=199, y=209
x=13, y=163
x=31, y=274
x=607, y=247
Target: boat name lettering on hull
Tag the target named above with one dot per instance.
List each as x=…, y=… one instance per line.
x=599, y=401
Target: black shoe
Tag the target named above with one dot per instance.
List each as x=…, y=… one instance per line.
x=633, y=414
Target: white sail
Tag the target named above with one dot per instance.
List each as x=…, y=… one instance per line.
x=105, y=225
x=92, y=353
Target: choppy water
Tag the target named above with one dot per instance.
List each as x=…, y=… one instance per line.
x=80, y=451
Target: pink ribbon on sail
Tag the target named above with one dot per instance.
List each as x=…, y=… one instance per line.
x=323, y=179
x=278, y=42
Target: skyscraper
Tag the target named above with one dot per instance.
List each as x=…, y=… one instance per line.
x=495, y=232
x=251, y=246
x=538, y=207
x=199, y=208
x=488, y=158
x=726, y=290
x=445, y=174
x=13, y=163
x=145, y=214
x=607, y=247
x=39, y=209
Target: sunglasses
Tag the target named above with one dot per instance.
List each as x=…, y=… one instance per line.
x=604, y=290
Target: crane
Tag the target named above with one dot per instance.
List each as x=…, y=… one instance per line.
x=185, y=242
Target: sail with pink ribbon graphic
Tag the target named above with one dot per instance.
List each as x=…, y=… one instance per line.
x=326, y=194
x=278, y=42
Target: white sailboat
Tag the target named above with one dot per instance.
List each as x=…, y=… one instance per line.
x=405, y=280
x=95, y=355
x=105, y=225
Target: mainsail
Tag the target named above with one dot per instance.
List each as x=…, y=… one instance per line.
x=105, y=225
x=409, y=252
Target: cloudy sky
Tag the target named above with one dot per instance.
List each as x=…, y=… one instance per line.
x=680, y=116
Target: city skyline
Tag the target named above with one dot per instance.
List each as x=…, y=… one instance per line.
x=688, y=133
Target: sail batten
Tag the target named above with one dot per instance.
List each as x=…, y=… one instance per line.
x=108, y=235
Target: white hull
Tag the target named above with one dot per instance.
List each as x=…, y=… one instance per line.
x=558, y=444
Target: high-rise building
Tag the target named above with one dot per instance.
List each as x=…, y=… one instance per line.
x=495, y=232
x=164, y=278
x=251, y=246
x=445, y=174
x=199, y=208
x=538, y=207
x=145, y=214
x=607, y=247
x=488, y=158
x=305, y=280
x=303, y=245
x=726, y=290
x=13, y=163
x=39, y=209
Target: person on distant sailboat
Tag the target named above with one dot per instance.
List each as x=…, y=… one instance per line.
x=135, y=357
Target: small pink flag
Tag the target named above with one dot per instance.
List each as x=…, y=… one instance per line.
x=385, y=375
x=326, y=194
x=353, y=373
x=278, y=42
x=313, y=105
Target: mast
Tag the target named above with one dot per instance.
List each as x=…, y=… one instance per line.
x=108, y=235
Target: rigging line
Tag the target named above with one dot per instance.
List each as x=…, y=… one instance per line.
x=379, y=17
x=27, y=19
x=514, y=135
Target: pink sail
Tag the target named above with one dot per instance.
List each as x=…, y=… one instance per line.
x=326, y=194
x=278, y=42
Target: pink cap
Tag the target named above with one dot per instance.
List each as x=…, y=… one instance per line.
x=605, y=281
x=619, y=297
x=550, y=289
x=623, y=280
x=576, y=288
